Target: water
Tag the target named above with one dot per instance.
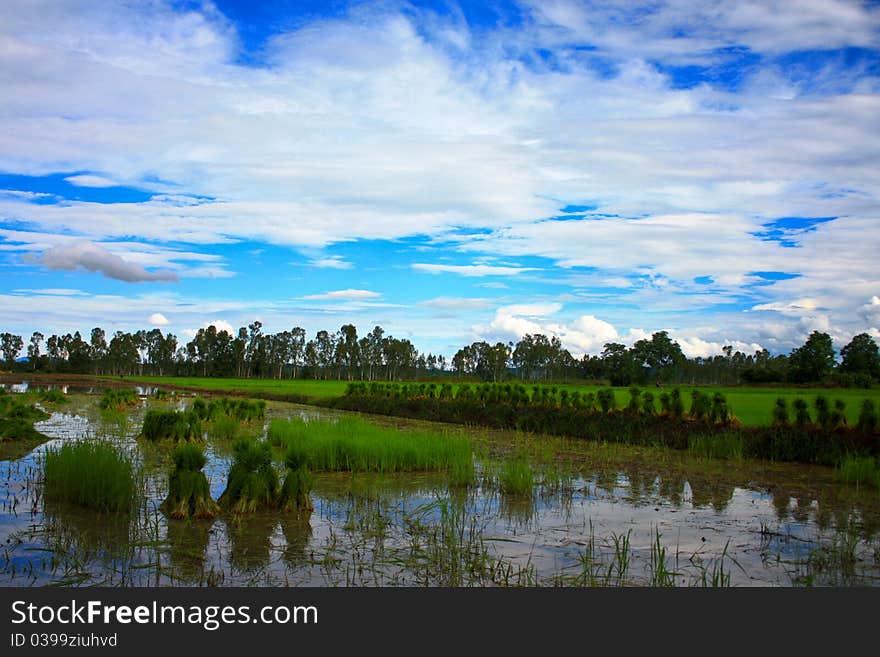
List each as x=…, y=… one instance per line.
x=598, y=515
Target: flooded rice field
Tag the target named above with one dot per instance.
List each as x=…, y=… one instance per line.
x=597, y=515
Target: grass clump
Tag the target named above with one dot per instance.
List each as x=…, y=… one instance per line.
x=252, y=482
x=95, y=475
x=354, y=445
x=516, y=477
x=117, y=399
x=859, y=470
x=717, y=446
x=189, y=494
x=868, y=417
x=171, y=425
x=294, y=495
x=53, y=396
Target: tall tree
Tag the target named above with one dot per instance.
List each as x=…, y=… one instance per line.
x=10, y=345
x=34, y=350
x=813, y=361
x=861, y=357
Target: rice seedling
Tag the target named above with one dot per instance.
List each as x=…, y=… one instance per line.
x=53, y=396
x=801, y=413
x=252, y=482
x=225, y=428
x=96, y=475
x=189, y=494
x=294, y=494
x=780, y=412
x=838, y=414
x=355, y=445
x=117, y=399
x=859, y=470
x=648, y=407
x=823, y=411
x=867, y=417
x=634, y=405
x=661, y=574
x=619, y=566
x=516, y=477
x=171, y=425
x=717, y=446
x=700, y=405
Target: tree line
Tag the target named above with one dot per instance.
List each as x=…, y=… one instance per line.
x=343, y=355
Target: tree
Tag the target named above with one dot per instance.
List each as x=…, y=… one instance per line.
x=619, y=364
x=661, y=354
x=11, y=345
x=34, y=350
x=814, y=361
x=861, y=357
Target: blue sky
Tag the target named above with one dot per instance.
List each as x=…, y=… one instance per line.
x=451, y=171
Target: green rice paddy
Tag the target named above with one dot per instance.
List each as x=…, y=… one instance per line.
x=752, y=406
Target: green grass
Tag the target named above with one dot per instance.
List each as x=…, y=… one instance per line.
x=862, y=471
x=716, y=446
x=173, y=425
x=252, y=482
x=751, y=405
x=355, y=445
x=516, y=477
x=254, y=387
x=189, y=494
x=95, y=475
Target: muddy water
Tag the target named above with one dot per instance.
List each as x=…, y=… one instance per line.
x=598, y=515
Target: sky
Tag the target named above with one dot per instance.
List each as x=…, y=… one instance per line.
x=450, y=171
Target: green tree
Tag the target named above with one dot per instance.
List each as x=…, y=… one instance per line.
x=34, y=350
x=10, y=345
x=814, y=361
x=861, y=357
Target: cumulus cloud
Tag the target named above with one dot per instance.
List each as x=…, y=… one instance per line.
x=92, y=257
x=158, y=319
x=585, y=335
x=316, y=147
x=344, y=295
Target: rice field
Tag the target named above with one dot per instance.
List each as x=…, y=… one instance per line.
x=751, y=405
x=312, y=496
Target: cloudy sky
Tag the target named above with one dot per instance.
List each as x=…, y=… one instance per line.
x=451, y=171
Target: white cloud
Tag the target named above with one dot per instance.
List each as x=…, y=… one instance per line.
x=331, y=262
x=344, y=295
x=470, y=270
x=85, y=180
x=316, y=147
x=90, y=256
x=456, y=303
x=158, y=319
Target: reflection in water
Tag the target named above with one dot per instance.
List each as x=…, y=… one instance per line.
x=716, y=495
x=187, y=542
x=83, y=541
x=297, y=530
x=250, y=541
